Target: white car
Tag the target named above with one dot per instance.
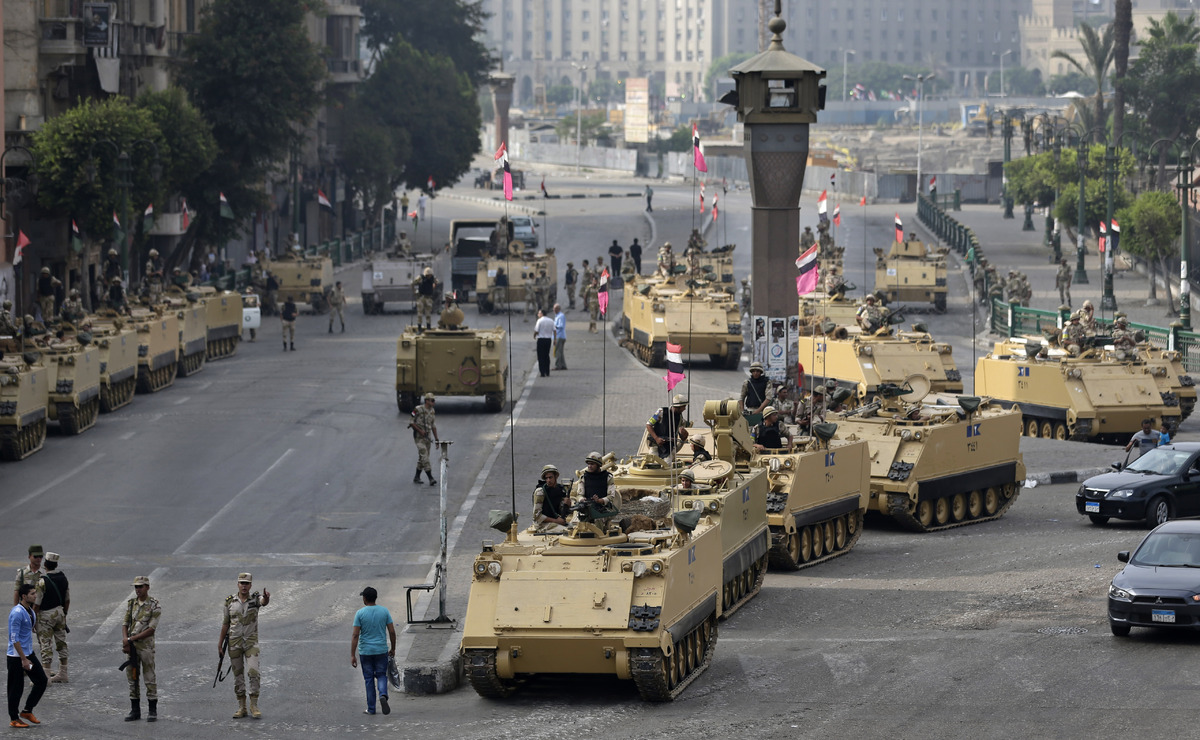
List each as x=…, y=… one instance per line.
x=525, y=230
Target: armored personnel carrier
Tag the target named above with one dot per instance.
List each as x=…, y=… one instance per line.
x=522, y=266
x=717, y=261
x=1167, y=367
x=818, y=307
x=73, y=380
x=912, y=273
x=937, y=461
x=304, y=279
x=223, y=312
x=1090, y=397
x=862, y=362
x=700, y=318
x=392, y=279
x=452, y=360
x=158, y=348
x=641, y=606
x=118, y=345
x=24, y=396
x=193, y=329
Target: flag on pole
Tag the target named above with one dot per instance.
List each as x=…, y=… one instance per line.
x=716, y=197
x=822, y=207
x=545, y=193
x=933, y=183
x=227, y=212
x=837, y=215
x=148, y=218
x=76, y=239
x=185, y=218
x=1114, y=236
x=698, y=151
x=1102, y=235
x=116, y=221
x=899, y=229
x=863, y=201
x=806, y=281
x=323, y=200
x=22, y=242
x=430, y=184
x=701, y=197
x=674, y=366
x=502, y=158
x=602, y=296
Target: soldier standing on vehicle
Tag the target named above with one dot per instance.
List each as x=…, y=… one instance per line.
x=570, y=280
x=426, y=284
x=756, y=390
x=112, y=266
x=424, y=426
x=667, y=427
x=288, y=321
x=635, y=255
x=45, y=291
x=666, y=260
x=142, y=613
x=239, y=623
x=591, y=299
x=116, y=296
x=1062, y=281
x=53, y=600
x=404, y=245
x=870, y=317
x=154, y=276
x=1087, y=317
x=337, y=306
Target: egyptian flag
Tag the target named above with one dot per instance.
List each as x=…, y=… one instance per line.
x=1114, y=236
x=716, y=197
x=1103, y=233
x=545, y=193
x=698, y=151
x=602, y=296
x=502, y=158
x=22, y=242
x=322, y=200
x=701, y=197
x=674, y=366
x=76, y=238
x=822, y=207
x=837, y=215
x=185, y=218
x=226, y=211
x=430, y=184
x=116, y=221
x=863, y=201
x=148, y=219
x=899, y=229
x=933, y=183
x=806, y=281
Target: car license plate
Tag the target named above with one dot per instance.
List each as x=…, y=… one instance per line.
x=1162, y=615
x=1091, y=507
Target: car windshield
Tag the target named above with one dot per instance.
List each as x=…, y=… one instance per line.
x=1170, y=550
x=1161, y=461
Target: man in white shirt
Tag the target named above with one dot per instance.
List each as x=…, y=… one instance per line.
x=543, y=332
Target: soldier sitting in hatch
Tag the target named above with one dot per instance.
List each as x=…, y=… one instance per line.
x=552, y=499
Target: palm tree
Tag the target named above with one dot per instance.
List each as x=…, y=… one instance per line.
x=1098, y=54
x=1123, y=26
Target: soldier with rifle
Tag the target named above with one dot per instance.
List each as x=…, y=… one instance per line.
x=239, y=632
x=142, y=613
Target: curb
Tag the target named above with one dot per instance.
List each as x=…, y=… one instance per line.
x=438, y=678
x=1065, y=476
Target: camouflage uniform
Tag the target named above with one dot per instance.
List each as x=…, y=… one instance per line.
x=666, y=260
x=154, y=279
x=425, y=299
x=541, y=293
x=425, y=419
x=240, y=618
x=870, y=317
x=570, y=281
x=1074, y=336
x=337, y=306
x=27, y=575
x=1062, y=281
x=139, y=616
x=52, y=620
x=72, y=310
x=591, y=298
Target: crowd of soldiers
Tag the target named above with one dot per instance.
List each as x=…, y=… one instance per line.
x=989, y=285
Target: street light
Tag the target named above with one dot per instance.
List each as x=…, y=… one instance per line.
x=1002, y=71
x=1006, y=132
x=579, y=115
x=1082, y=160
x=1185, y=237
x=845, y=53
x=920, y=80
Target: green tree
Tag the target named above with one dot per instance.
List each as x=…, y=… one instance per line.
x=1150, y=229
x=1070, y=82
x=560, y=94
x=720, y=68
x=604, y=90
x=256, y=77
x=450, y=28
x=1096, y=60
x=1041, y=179
x=373, y=156
x=589, y=124
x=1018, y=81
x=189, y=147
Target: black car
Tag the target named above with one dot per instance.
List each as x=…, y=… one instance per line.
x=1160, y=485
x=1160, y=586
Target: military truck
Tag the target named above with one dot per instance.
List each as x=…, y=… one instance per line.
x=470, y=241
x=522, y=266
x=1092, y=396
x=118, y=345
x=24, y=396
x=912, y=273
x=937, y=461
x=392, y=279
x=223, y=319
x=158, y=348
x=303, y=278
x=861, y=362
x=700, y=318
x=452, y=360
x=73, y=380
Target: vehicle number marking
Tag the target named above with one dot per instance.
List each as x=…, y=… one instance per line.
x=1091, y=507
x=1162, y=615
x=820, y=346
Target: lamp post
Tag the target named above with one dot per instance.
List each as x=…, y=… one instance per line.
x=1081, y=158
x=845, y=53
x=1006, y=134
x=920, y=80
x=1002, y=71
x=1108, y=302
x=1185, y=237
x=579, y=115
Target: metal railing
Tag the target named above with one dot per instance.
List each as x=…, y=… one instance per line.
x=945, y=227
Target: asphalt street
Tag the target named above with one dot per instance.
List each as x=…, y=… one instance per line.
x=296, y=466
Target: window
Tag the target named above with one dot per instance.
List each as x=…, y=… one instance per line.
x=900, y=15
x=979, y=37
x=883, y=14
x=883, y=34
x=833, y=34
x=850, y=14
x=883, y=56
x=849, y=34
x=586, y=35
x=934, y=13
x=997, y=38
x=899, y=56
x=933, y=35
x=833, y=14
x=587, y=15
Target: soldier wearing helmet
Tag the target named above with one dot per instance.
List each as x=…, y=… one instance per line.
x=153, y=275
x=667, y=428
x=1062, y=281
x=8, y=327
x=426, y=286
x=116, y=296
x=1073, y=333
x=870, y=316
x=771, y=432
x=424, y=426
x=571, y=280
x=687, y=480
x=1122, y=337
x=72, y=308
x=112, y=266
x=1087, y=318
x=551, y=499
x=757, y=390
x=47, y=285
x=595, y=483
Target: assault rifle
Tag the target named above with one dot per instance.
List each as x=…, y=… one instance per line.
x=221, y=662
x=132, y=661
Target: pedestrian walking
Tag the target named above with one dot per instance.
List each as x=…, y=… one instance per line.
x=649, y=198
x=422, y=201
x=22, y=661
x=570, y=280
x=337, y=306
x=1062, y=281
x=615, y=253
x=288, y=321
x=53, y=601
x=543, y=334
x=369, y=645
x=635, y=254
x=142, y=613
x=239, y=624
x=560, y=337
x=30, y=574
x=424, y=426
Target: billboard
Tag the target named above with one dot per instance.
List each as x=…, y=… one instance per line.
x=97, y=24
x=637, y=110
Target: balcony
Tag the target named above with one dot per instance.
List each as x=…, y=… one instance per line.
x=168, y=224
x=61, y=36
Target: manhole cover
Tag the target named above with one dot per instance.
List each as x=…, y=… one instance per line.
x=1063, y=631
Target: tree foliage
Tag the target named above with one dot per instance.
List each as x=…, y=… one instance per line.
x=449, y=28
x=1070, y=82
x=189, y=144
x=589, y=127
x=1018, y=81
x=1150, y=229
x=720, y=68
x=1096, y=60
x=883, y=77
x=560, y=94
x=1040, y=179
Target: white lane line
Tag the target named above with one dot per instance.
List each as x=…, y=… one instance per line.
x=350, y=397
x=52, y=484
x=231, y=503
x=182, y=401
x=114, y=619
x=366, y=381
x=310, y=432
x=127, y=435
x=204, y=386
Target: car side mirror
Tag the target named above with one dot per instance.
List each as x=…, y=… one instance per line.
x=1117, y=466
x=1123, y=556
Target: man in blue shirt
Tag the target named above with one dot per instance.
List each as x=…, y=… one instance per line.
x=560, y=337
x=369, y=644
x=23, y=660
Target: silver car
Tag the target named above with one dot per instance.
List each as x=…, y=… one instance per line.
x=525, y=230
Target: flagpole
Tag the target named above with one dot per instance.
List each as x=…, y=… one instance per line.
x=512, y=439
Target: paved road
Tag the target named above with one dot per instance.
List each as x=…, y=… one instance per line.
x=295, y=466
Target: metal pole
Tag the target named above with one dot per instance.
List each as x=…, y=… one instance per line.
x=444, y=446
x=1006, y=131
x=1108, y=302
x=124, y=172
x=1185, y=301
x=845, y=53
x=295, y=189
x=1081, y=277
x=920, y=120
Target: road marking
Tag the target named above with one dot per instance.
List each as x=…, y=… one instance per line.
x=366, y=382
x=231, y=503
x=350, y=397
x=182, y=401
x=52, y=484
x=114, y=619
x=127, y=435
x=310, y=432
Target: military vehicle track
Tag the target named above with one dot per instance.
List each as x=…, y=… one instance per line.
x=152, y=381
x=815, y=543
x=115, y=395
x=72, y=420
x=481, y=674
x=192, y=364
x=219, y=349
x=959, y=510
x=18, y=445
x=661, y=677
x=743, y=587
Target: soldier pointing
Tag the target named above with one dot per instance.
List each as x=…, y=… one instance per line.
x=239, y=623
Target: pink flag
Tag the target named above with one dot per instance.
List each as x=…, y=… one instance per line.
x=185, y=218
x=602, y=296
x=806, y=281
x=899, y=229
x=674, y=366
x=716, y=197
x=698, y=151
x=502, y=158
x=837, y=215
x=1103, y=233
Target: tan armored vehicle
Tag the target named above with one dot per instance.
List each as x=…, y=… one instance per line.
x=1167, y=368
x=304, y=279
x=223, y=312
x=1090, y=397
x=392, y=279
x=158, y=348
x=522, y=267
x=193, y=329
x=818, y=307
x=24, y=395
x=937, y=461
x=912, y=273
x=717, y=262
x=862, y=362
x=701, y=318
x=118, y=345
x=641, y=606
x=452, y=360
x=73, y=379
